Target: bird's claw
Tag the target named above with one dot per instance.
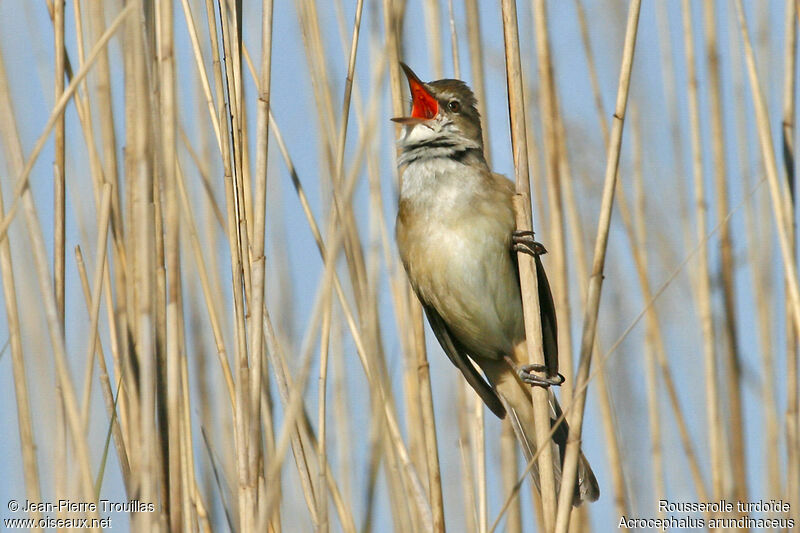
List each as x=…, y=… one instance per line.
x=524, y=242
x=526, y=375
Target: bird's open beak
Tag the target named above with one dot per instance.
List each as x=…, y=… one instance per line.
x=425, y=106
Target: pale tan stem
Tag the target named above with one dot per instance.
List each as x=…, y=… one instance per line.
x=105, y=382
x=778, y=192
x=792, y=351
x=94, y=308
x=714, y=415
x=550, y=117
x=570, y=465
x=527, y=269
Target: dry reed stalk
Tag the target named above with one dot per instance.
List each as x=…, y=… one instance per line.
x=292, y=399
x=635, y=234
x=257, y=260
x=792, y=353
x=736, y=430
x=10, y=135
x=376, y=383
x=237, y=242
x=779, y=197
x=479, y=458
x=467, y=456
x=30, y=464
x=651, y=320
x=230, y=18
x=581, y=266
x=329, y=261
x=179, y=455
x=145, y=460
x=550, y=117
x=103, y=100
x=618, y=481
x=205, y=283
x=654, y=325
x=433, y=29
x=527, y=271
x=59, y=170
x=764, y=320
x=475, y=43
x=569, y=472
x=59, y=227
x=508, y=466
x=715, y=426
x=778, y=192
x=421, y=428
x=103, y=217
x=587, y=51
x=678, y=154
x=602, y=361
x=538, y=174
x=343, y=427
x=224, y=141
x=105, y=382
x=58, y=108
x=83, y=107
x=198, y=56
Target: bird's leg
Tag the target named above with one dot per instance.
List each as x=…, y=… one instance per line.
x=522, y=241
x=526, y=374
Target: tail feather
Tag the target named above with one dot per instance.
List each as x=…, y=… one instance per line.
x=517, y=398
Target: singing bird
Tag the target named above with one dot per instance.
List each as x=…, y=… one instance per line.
x=456, y=236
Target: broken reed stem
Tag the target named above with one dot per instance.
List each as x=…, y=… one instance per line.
x=527, y=269
x=570, y=464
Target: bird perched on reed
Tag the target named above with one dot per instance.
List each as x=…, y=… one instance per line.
x=457, y=241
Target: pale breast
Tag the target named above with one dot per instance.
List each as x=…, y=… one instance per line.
x=454, y=240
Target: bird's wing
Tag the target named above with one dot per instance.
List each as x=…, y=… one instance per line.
x=547, y=312
x=458, y=356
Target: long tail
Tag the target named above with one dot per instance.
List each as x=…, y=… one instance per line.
x=517, y=397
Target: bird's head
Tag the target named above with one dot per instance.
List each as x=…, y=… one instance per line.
x=444, y=119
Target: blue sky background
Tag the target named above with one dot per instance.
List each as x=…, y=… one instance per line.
x=26, y=47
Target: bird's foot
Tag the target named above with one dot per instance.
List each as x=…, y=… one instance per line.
x=526, y=374
x=523, y=241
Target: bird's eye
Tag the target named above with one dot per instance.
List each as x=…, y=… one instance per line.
x=454, y=105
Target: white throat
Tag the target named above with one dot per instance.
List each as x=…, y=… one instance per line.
x=434, y=139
